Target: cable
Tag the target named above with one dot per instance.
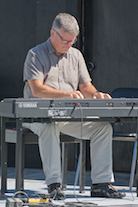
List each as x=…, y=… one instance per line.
x=80, y=160
x=32, y=200
x=131, y=109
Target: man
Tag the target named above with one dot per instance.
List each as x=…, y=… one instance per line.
x=54, y=69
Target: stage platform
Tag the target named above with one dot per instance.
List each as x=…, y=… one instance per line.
x=35, y=185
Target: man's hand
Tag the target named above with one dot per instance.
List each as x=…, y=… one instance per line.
x=100, y=95
x=76, y=94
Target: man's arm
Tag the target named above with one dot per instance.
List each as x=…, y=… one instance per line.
x=42, y=91
x=89, y=91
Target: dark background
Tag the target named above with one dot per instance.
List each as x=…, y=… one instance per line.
x=108, y=39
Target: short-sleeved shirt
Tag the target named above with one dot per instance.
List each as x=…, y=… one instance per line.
x=63, y=72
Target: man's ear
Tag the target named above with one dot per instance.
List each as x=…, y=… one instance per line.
x=52, y=32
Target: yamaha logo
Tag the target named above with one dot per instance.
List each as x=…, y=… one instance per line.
x=27, y=105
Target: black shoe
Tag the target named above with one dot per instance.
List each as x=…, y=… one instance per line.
x=55, y=192
x=105, y=190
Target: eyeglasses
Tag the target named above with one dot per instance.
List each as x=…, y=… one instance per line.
x=66, y=41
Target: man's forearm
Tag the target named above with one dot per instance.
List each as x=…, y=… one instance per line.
x=87, y=89
x=40, y=90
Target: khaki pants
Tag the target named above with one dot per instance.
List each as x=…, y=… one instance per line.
x=100, y=136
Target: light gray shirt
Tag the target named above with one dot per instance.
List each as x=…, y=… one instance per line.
x=63, y=72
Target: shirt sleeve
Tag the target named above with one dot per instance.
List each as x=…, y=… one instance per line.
x=33, y=68
x=84, y=76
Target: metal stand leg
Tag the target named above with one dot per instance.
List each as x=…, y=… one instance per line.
x=82, y=166
x=133, y=166
x=64, y=166
x=3, y=159
x=80, y=172
x=77, y=171
x=19, y=157
x=137, y=179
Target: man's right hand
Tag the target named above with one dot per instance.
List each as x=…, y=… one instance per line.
x=76, y=94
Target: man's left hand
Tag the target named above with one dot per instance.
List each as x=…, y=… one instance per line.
x=100, y=95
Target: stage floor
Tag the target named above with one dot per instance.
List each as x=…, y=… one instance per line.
x=35, y=185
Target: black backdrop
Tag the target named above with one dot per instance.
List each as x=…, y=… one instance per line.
x=111, y=42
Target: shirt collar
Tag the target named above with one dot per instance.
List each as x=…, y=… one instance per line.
x=52, y=50
x=50, y=47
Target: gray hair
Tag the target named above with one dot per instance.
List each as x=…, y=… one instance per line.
x=67, y=22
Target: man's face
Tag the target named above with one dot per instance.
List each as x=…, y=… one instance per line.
x=61, y=41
